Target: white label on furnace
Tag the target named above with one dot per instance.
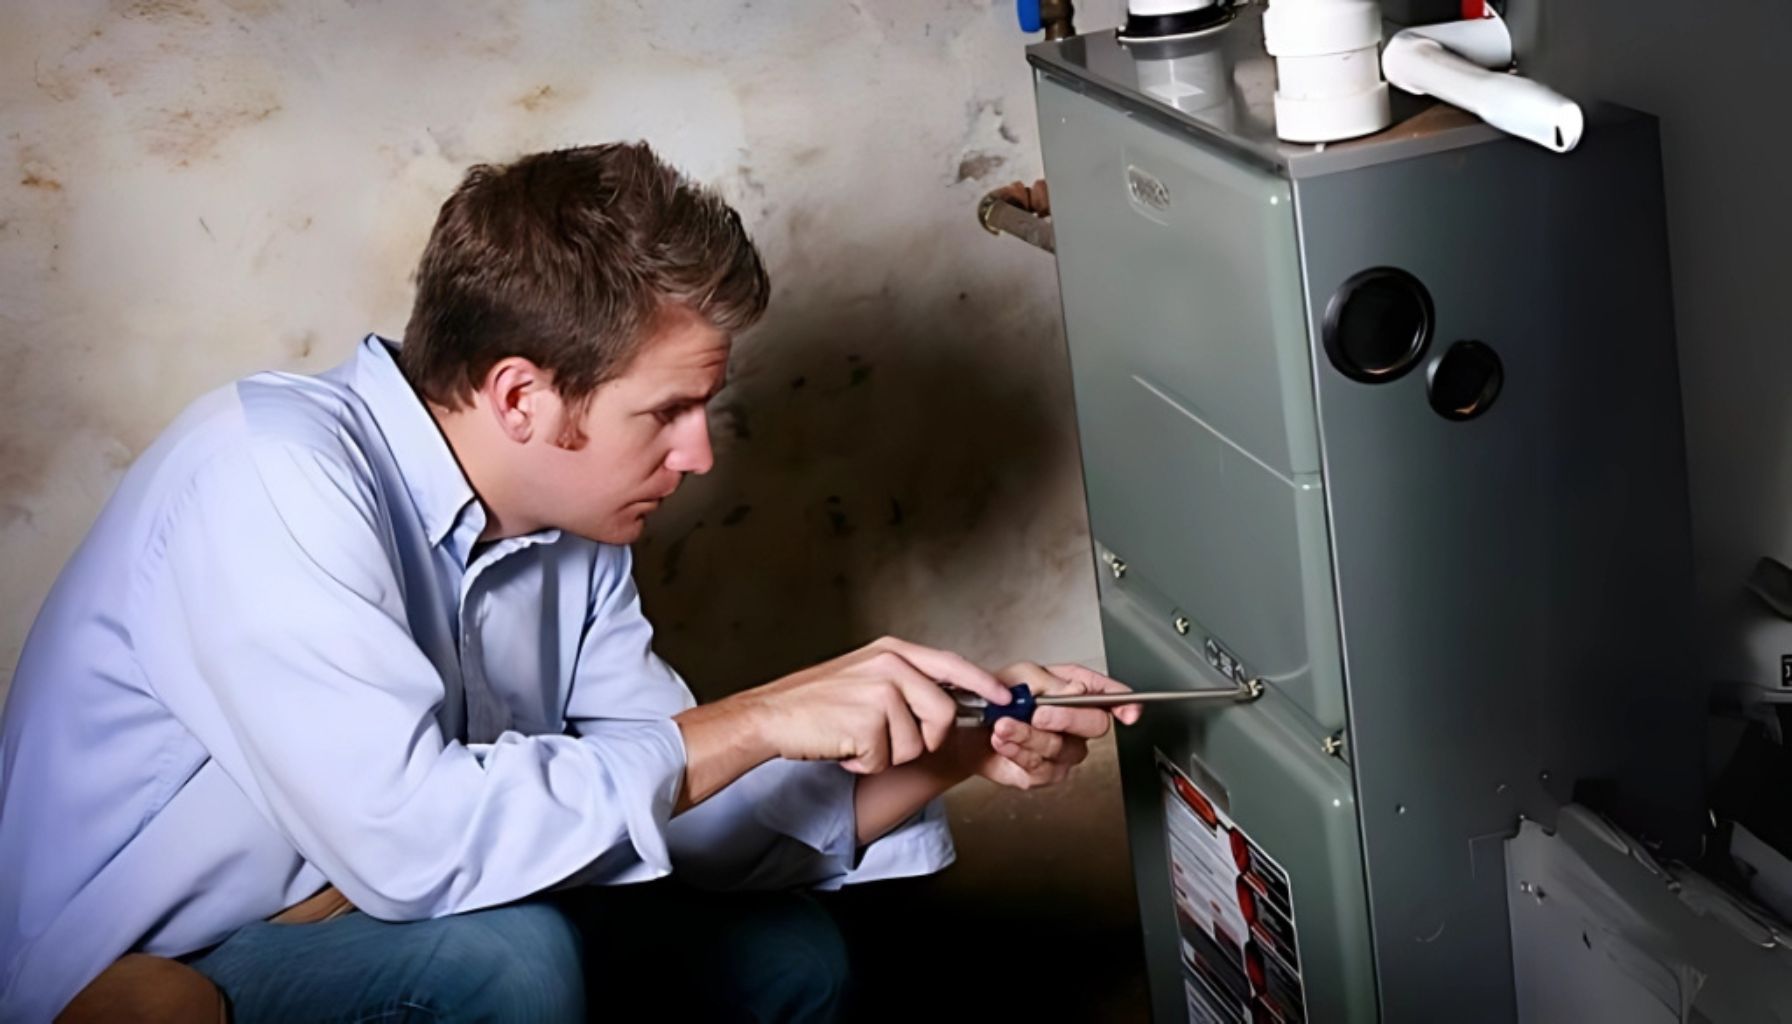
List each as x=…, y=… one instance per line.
x=1234, y=913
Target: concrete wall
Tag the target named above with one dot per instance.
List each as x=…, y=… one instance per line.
x=1714, y=74
x=198, y=189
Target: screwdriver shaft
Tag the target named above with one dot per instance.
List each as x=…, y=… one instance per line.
x=977, y=711
x=1114, y=700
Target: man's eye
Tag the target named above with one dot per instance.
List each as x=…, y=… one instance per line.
x=667, y=414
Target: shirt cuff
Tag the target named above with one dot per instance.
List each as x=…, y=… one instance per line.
x=645, y=760
x=921, y=845
x=812, y=803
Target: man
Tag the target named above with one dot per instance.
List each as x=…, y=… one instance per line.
x=362, y=650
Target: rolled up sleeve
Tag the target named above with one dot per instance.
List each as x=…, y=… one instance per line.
x=791, y=824
x=647, y=758
x=785, y=823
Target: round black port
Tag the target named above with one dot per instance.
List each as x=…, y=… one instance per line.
x=1378, y=325
x=1466, y=380
x=1142, y=27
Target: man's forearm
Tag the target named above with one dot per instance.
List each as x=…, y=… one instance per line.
x=725, y=740
x=883, y=801
x=722, y=742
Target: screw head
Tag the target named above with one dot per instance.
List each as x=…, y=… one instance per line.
x=1182, y=624
x=1332, y=745
x=1118, y=565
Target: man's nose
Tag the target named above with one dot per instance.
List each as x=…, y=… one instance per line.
x=691, y=450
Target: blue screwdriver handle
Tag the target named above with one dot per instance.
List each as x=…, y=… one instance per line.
x=1022, y=706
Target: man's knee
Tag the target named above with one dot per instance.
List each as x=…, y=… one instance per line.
x=515, y=963
x=793, y=964
x=823, y=949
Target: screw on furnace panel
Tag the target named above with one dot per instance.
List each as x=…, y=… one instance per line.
x=1253, y=689
x=1119, y=567
x=1181, y=623
x=1333, y=745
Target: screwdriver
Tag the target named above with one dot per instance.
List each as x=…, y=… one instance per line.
x=974, y=710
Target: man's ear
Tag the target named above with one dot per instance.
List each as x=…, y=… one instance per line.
x=516, y=392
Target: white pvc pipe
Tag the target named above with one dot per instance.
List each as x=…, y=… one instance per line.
x=1160, y=7
x=1328, y=82
x=1450, y=61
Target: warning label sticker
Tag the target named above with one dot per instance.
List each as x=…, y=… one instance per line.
x=1234, y=913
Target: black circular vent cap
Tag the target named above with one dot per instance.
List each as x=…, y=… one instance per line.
x=1466, y=380
x=1378, y=325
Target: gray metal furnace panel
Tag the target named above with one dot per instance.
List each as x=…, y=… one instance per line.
x=1193, y=387
x=1186, y=274
x=1262, y=760
x=1512, y=589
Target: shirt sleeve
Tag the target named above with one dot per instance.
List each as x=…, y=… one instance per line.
x=781, y=825
x=791, y=823
x=290, y=658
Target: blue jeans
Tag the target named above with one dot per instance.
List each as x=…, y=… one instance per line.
x=647, y=952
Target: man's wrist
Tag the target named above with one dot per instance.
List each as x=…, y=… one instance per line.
x=723, y=741
x=961, y=756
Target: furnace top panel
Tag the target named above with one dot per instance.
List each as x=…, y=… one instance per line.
x=1220, y=87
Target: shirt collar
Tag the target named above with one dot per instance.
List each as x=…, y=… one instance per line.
x=432, y=475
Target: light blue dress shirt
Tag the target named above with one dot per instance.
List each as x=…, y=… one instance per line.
x=276, y=662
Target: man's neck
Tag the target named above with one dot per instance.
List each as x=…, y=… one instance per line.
x=483, y=467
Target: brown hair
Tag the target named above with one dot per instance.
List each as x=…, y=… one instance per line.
x=567, y=259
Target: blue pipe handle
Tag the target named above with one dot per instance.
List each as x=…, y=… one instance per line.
x=1028, y=13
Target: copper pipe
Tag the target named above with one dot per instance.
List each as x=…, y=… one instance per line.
x=1020, y=211
x=1057, y=16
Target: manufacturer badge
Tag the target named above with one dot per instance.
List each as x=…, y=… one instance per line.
x=1147, y=190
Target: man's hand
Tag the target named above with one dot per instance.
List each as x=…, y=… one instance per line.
x=1012, y=754
x=1042, y=754
x=877, y=707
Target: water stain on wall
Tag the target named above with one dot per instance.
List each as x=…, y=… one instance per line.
x=189, y=12
x=550, y=98
x=976, y=166
x=187, y=134
x=36, y=172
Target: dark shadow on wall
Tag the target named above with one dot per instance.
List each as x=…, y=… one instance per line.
x=874, y=437
x=882, y=436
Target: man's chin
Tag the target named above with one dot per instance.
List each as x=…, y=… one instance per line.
x=621, y=530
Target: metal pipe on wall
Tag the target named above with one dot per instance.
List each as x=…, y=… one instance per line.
x=1019, y=210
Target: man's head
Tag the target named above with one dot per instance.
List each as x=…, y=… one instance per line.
x=573, y=317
